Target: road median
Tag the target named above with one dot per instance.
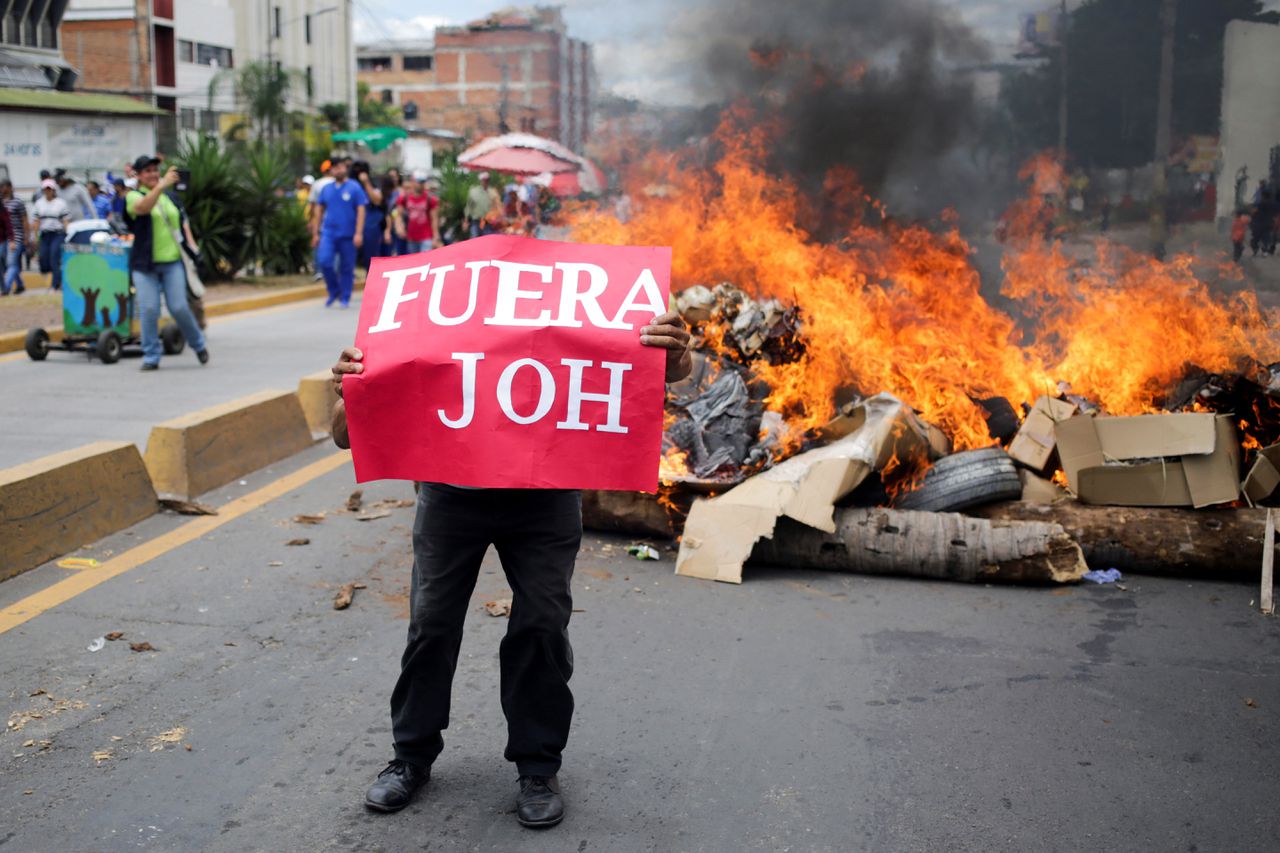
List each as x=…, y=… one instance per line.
x=53, y=505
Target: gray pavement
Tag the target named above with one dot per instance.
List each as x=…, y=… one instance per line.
x=69, y=399
x=801, y=711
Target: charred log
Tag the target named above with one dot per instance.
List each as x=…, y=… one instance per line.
x=1213, y=543
x=944, y=546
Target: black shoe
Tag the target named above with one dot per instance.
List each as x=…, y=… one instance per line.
x=147, y=365
x=203, y=355
x=539, y=804
x=395, y=786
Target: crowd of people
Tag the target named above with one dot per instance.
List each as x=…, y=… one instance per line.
x=1258, y=223
x=354, y=217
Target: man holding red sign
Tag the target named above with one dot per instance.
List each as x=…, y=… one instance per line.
x=504, y=375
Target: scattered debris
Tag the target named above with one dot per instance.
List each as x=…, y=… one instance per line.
x=643, y=551
x=1249, y=703
x=345, y=595
x=721, y=531
x=98, y=644
x=187, y=507
x=19, y=719
x=101, y=755
x=164, y=739
x=373, y=514
x=309, y=519
x=300, y=541
x=355, y=500
x=42, y=745
x=276, y=563
x=1266, y=598
x=114, y=635
x=1103, y=575
x=39, y=692
x=187, y=747
x=498, y=607
x=144, y=646
x=78, y=563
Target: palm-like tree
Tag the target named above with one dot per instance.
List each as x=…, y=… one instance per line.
x=263, y=91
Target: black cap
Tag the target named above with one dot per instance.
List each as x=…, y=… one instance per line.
x=44, y=173
x=144, y=162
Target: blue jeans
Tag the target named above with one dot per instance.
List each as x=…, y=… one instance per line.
x=12, y=269
x=51, y=256
x=171, y=280
x=340, y=281
x=412, y=247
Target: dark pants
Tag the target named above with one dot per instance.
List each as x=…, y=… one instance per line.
x=537, y=534
x=1237, y=250
x=51, y=256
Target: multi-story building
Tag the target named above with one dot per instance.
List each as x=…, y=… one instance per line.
x=169, y=52
x=516, y=70
x=311, y=38
x=44, y=125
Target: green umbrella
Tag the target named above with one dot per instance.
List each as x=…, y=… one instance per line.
x=376, y=138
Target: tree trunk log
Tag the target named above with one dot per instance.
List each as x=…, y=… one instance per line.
x=1214, y=543
x=638, y=513
x=941, y=545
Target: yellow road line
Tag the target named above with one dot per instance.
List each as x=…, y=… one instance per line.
x=82, y=581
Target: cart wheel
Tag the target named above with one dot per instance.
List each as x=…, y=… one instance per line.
x=171, y=337
x=108, y=347
x=37, y=344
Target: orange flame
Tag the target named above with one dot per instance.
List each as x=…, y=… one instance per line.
x=896, y=307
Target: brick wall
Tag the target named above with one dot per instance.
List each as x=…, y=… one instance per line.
x=111, y=56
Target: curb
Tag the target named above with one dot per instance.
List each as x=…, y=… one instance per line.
x=55, y=504
x=16, y=341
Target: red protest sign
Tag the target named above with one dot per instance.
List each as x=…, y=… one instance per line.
x=507, y=362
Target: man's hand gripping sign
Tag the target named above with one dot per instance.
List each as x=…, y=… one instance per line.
x=506, y=362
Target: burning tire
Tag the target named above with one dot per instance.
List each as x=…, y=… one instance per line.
x=965, y=480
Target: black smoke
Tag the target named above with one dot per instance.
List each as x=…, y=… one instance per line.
x=885, y=87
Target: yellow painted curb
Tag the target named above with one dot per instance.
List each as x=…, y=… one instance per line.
x=316, y=394
x=190, y=455
x=16, y=341
x=55, y=504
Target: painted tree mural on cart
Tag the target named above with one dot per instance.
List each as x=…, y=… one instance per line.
x=95, y=276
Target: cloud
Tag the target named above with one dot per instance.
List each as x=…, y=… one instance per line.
x=373, y=29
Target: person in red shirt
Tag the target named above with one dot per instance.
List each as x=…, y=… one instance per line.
x=417, y=215
x=1239, y=229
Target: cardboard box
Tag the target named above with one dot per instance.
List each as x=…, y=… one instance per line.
x=1195, y=459
x=1034, y=444
x=1264, y=476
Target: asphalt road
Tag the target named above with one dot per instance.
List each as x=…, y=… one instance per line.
x=801, y=711
x=69, y=400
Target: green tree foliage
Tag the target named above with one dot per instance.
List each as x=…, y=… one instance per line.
x=242, y=208
x=262, y=90
x=373, y=112
x=455, y=183
x=1113, y=78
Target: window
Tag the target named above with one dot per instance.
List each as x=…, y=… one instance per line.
x=186, y=51
x=388, y=96
x=418, y=63
x=275, y=22
x=218, y=57
x=188, y=118
x=311, y=86
x=209, y=120
x=306, y=26
x=373, y=63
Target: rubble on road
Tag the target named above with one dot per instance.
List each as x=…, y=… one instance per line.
x=346, y=594
x=1057, y=487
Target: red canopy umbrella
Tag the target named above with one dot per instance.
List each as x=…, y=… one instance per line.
x=520, y=161
x=586, y=179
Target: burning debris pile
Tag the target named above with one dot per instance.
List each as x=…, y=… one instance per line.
x=858, y=403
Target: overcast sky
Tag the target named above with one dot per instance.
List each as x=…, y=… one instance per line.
x=639, y=44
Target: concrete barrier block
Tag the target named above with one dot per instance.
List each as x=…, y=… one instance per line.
x=53, y=505
x=190, y=455
x=316, y=394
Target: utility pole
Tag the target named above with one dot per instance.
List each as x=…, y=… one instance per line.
x=1164, y=130
x=1063, y=30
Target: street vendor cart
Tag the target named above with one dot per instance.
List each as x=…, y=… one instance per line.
x=99, y=315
